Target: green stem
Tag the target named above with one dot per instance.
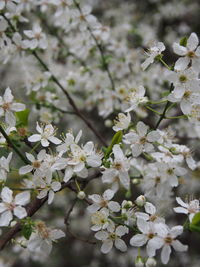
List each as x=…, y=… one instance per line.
x=157, y=102
x=164, y=63
x=153, y=110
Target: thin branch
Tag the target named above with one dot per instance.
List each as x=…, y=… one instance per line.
x=34, y=206
x=14, y=147
x=71, y=101
x=66, y=221
x=100, y=48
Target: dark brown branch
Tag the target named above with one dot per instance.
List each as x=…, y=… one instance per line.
x=35, y=205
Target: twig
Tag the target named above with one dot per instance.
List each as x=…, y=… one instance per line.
x=14, y=147
x=71, y=101
x=100, y=48
x=66, y=221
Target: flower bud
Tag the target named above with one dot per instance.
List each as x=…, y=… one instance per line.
x=139, y=262
x=140, y=201
x=108, y=123
x=13, y=223
x=151, y=262
x=81, y=195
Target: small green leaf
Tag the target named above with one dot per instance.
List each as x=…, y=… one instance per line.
x=195, y=224
x=183, y=41
x=117, y=138
x=27, y=230
x=22, y=117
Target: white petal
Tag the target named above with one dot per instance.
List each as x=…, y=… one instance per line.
x=124, y=179
x=56, y=186
x=2, y=207
x=34, y=138
x=94, y=161
x=192, y=42
x=20, y=212
x=138, y=240
x=22, y=198
x=108, y=194
x=107, y=246
x=176, y=230
x=18, y=107
x=25, y=169
x=150, y=208
x=50, y=196
x=165, y=254
x=180, y=202
x=56, y=234
x=178, y=246
x=30, y=157
x=181, y=63
x=5, y=218
x=120, y=244
x=6, y=195
x=141, y=128
x=10, y=118
x=153, y=136
x=114, y=206
x=180, y=210
x=54, y=140
x=68, y=174
x=44, y=142
x=179, y=50
x=101, y=235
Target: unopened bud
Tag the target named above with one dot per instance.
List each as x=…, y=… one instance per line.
x=81, y=195
x=139, y=262
x=13, y=223
x=151, y=262
x=140, y=201
x=108, y=123
x=128, y=205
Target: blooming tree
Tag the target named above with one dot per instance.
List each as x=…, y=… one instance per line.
x=94, y=130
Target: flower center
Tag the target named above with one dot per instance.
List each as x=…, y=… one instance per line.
x=183, y=79
x=168, y=240
x=150, y=235
x=6, y=106
x=191, y=54
x=36, y=164
x=43, y=230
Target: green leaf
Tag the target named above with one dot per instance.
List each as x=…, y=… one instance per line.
x=183, y=41
x=195, y=224
x=117, y=138
x=27, y=230
x=22, y=117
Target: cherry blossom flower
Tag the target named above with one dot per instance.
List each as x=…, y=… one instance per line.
x=100, y=220
x=8, y=106
x=42, y=240
x=112, y=237
x=4, y=167
x=36, y=164
x=38, y=38
x=153, y=52
x=10, y=206
x=189, y=53
x=167, y=238
x=45, y=135
x=135, y=97
x=104, y=201
x=47, y=187
x=148, y=235
x=118, y=169
x=190, y=208
x=141, y=140
x=121, y=122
